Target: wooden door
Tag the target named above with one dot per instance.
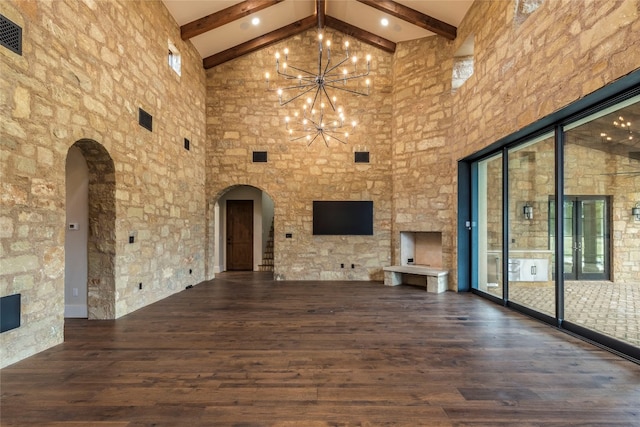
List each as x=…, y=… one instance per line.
x=240, y=235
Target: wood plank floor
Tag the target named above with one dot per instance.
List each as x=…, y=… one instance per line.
x=242, y=350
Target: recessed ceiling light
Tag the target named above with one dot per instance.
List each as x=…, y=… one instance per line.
x=255, y=21
x=384, y=22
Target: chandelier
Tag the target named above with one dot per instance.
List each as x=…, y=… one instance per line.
x=312, y=124
x=330, y=76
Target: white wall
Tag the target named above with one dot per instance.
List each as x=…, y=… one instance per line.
x=75, y=244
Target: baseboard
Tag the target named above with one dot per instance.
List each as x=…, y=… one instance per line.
x=75, y=311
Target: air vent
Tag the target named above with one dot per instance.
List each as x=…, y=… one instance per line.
x=10, y=35
x=361, y=157
x=260, y=157
x=145, y=120
x=187, y=144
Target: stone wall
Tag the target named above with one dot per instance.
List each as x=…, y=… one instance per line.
x=423, y=191
x=523, y=71
x=242, y=117
x=86, y=68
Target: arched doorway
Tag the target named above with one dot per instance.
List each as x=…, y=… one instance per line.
x=223, y=246
x=90, y=232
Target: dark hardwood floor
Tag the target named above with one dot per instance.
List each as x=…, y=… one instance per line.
x=242, y=350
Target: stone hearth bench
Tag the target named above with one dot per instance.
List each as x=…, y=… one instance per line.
x=436, y=280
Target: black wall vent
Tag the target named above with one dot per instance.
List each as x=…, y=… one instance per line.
x=260, y=157
x=9, y=312
x=145, y=119
x=361, y=157
x=187, y=144
x=10, y=35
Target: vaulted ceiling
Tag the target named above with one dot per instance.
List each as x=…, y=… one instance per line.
x=222, y=30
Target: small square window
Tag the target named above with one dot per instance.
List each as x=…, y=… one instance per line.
x=174, y=59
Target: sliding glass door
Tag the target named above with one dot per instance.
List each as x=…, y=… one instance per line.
x=589, y=281
x=488, y=238
x=531, y=183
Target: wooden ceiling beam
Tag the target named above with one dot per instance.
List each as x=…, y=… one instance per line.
x=222, y=17
x=414, y=17
x=360, y=34
x=260, y=42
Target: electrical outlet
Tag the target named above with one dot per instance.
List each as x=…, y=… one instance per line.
x=353, y=266
x=190, y=271
x=75, y=292
x=341, y=265
x=140, y=285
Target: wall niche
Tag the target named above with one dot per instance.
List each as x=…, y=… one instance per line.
x=421, y=248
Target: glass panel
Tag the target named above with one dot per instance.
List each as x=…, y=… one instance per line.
x=592, y=238
x=489, y=235
x=602, y=184
x=531, y=185
x=569, y=242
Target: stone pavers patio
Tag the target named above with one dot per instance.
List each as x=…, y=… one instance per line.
x=606, y=307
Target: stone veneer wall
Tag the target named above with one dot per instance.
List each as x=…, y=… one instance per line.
x=243, y=117
x=423, y=186
x=522, y=72
x=86, y=68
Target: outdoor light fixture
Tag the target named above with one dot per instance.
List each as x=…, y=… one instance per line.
x=635, y=211
x=527, y=211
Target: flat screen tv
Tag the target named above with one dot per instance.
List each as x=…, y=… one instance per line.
x=343, y=218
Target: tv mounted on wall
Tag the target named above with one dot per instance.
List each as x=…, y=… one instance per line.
x=343, y=218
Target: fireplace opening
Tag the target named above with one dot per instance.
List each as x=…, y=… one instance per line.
x=421, y=248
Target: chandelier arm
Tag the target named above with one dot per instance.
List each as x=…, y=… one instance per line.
x=355, y=92
x=296, y=97
x=315, y=98
x=323, y=138
x=330, y=70
x=292, y=139
x=335, y=137
x=308, y=86
x=332, y=78
x=314, y=138
x=291, y=76
x=324, y=89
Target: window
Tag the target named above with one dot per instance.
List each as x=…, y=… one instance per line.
x=174, y=58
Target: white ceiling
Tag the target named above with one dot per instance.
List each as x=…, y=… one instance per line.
x=290, y=11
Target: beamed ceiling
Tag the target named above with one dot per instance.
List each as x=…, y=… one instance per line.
x=221, y=30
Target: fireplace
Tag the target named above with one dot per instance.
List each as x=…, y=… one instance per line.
x=421, y=248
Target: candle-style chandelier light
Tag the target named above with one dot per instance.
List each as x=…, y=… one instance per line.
x=312, y=123
x=316, y=119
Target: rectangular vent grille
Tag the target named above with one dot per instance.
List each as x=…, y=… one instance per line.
x=259, y=156
x=145, y=120
x=187, y=144
x=10, y=35
x=362, y=157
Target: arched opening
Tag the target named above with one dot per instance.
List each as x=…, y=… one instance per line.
x=90, y=232
x=224, y=246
